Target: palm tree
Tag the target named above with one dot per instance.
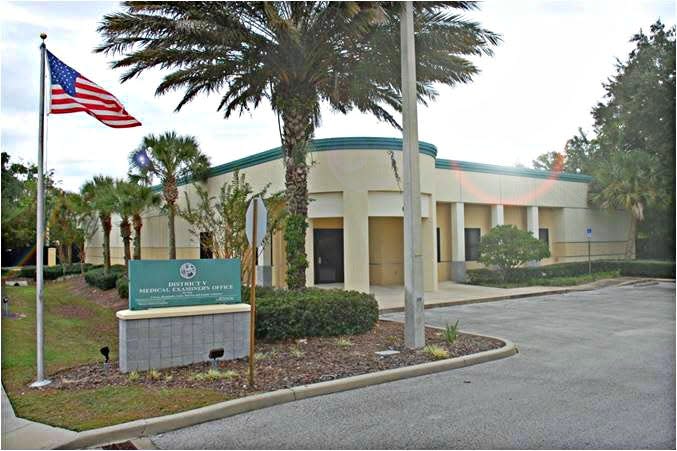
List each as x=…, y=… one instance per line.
x=124, y=196
x=626, y=180
x=295, y=55
x=99, y=194
x=133, y=200
x=171, y=159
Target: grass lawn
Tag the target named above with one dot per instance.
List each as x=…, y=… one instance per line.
x=75, y=330
x=558, y=281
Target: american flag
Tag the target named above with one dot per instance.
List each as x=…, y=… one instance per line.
x=72, y=92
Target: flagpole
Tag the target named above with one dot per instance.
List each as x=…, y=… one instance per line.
x=40, y=227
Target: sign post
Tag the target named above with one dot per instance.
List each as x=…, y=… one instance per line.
x=588, y=234
x=255, y=228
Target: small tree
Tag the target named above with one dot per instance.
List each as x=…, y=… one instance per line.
x=507, y=247
x=223, y=218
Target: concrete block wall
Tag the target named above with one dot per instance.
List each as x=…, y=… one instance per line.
x=181, y=340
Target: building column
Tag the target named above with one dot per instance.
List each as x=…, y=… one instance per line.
x=310, y=254
x=497, y=216
x=457, y=242
x=532, y=226
x=429, y=231
x=356, y=240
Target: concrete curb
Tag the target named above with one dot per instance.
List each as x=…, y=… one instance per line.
x=157, y=425
x=482, y=300
x=572, y=289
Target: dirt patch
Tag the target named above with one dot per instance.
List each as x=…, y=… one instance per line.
x=108, y=298
x=285, y=364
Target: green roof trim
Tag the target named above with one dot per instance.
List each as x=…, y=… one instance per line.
x=321, y=145
x=467, y=166
x=395, y=144
x=316, y=145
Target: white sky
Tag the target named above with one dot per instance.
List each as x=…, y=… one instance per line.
x=529, y=98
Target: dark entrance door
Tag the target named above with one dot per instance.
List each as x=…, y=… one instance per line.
x=328, y=250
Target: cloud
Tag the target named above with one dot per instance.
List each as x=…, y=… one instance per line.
x=529, y=98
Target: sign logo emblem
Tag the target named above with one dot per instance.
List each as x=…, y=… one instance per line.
x=187, y=270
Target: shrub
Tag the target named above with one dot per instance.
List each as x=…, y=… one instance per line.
x=451, y=333
x=53, y=272
x=631, y=268
x=508, y=247
x=435, y=352
x=122, y=285
x=133, y=376
x=97, y=277
x=313, y=312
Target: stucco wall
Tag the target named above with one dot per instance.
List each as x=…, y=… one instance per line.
x=355, y=189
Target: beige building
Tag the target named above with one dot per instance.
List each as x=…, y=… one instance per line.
x=355, y=233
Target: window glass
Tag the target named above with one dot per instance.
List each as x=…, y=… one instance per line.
x=472, y=244
x=544, y=235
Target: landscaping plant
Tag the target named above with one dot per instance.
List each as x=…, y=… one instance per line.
x=451, y=332
x=171, y=159
x=282, y=314
x=436, y=352
x=507, y=247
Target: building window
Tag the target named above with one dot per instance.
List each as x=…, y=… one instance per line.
x=439, y=255
x=472, y=244
x=544, y=235
x=205, y=245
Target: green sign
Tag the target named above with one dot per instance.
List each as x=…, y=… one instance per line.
x=175, y=283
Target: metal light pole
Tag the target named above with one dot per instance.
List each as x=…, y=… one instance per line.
x=40, y=228
x=414, y=336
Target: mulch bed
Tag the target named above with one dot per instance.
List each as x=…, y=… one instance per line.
x=285, y=364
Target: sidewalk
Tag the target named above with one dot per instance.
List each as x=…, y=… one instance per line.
x=18, y=433
x=391, y=298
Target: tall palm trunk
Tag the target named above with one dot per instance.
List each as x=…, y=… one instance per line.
x=106, y=226
x=171, y=195
x=630, y=244
x=126, y=234
x=138, y=223
x=298, y=128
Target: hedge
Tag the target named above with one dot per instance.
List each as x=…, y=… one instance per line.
x=633, y=268
x=53, y=272
x=122, y=285
x=312, y=312
x=97, y=277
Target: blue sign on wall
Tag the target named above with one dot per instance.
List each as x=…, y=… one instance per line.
x=175, y=283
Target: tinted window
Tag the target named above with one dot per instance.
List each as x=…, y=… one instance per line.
x=544, y=235
x=472, y=244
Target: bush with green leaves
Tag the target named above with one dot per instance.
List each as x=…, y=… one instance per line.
x=99, y=279
x=506, y=247
x=53, y=272
x=313, y=312
x=633, y=268
x=122, y=285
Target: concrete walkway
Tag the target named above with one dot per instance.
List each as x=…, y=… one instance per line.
x=18, y=433
x=391, y=297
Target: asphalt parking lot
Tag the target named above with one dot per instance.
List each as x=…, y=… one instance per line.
x=595, y=370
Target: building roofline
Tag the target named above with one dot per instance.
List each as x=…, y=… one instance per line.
x=468, y=166
x=395, y=144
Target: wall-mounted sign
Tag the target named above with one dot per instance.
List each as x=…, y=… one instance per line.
x=175, y=283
